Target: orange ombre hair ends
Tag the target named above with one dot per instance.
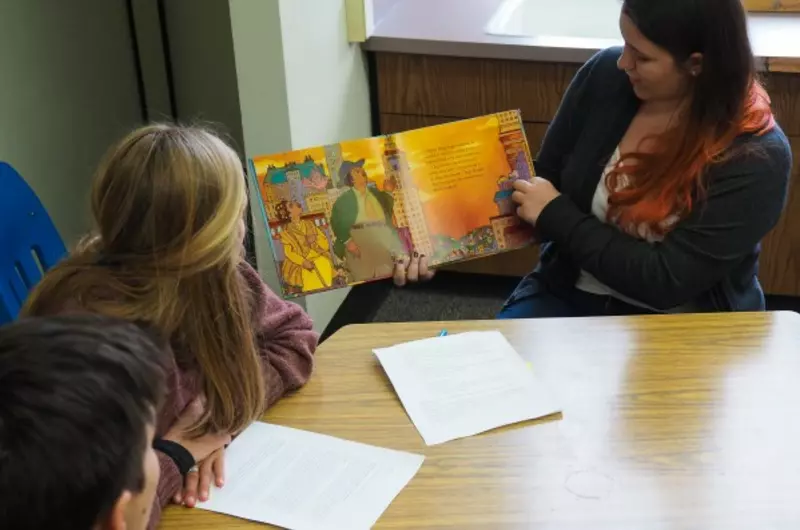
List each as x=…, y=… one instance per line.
x=727, y=101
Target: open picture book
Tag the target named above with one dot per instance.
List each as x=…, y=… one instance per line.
x=342, y=214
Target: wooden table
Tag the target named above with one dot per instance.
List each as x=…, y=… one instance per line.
x=670, y=422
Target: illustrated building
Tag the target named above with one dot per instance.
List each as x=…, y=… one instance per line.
x=512, y=137
x=317, y=202
x=333, y=194
x=271, y=197
x=333, y=158
x=281, y=191
x=505, y=206
x=295, y=180
x=408, y=212
x=289, y=183
x=499, y=225
x=522, y=168
x=510, y=232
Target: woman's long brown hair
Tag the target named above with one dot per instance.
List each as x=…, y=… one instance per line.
x=167, y=203
x=726, y=101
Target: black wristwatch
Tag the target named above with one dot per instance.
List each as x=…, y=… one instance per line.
x=178, y=453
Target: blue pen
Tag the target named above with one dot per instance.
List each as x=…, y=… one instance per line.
x=443, y=333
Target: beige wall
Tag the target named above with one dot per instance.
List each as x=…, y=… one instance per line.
x=261, y=80
x=275, y=74
x=327, y=91
x=68, y=90
x=203, y=67
x=300, y=85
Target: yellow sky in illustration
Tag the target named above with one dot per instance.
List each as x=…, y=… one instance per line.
x=470, y=204
x=371, y=151
x=263, y=162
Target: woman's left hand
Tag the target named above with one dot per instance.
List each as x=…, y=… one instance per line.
x=532, y=197
x=198, y=483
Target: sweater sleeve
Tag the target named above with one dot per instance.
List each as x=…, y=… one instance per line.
x=169, y=484
x=284, y=337
x=744, y=201
x=567, y=124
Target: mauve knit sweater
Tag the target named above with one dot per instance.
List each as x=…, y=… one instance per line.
x=286, y=343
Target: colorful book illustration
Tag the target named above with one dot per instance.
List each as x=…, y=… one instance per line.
x=342, y=214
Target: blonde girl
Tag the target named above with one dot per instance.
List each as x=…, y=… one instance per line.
x=168, y=204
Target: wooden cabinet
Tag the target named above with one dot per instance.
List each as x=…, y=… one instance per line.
x=772, y=5
x=418, y=91
x=464, y=88
x=780, y=253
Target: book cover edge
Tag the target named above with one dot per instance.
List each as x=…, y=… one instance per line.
x=265, y=219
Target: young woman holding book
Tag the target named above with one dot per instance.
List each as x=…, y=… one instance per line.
x=168, y=205
x=660, y=174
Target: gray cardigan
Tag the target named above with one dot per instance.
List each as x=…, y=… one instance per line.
x=709, y=262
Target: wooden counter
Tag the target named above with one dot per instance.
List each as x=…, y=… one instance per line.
x=763, y=6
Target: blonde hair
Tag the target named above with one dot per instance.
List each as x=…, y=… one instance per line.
x=167, y=203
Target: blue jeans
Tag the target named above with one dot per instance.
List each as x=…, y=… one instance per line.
x=533, y=299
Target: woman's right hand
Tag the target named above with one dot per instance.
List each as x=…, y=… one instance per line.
x=202, y=446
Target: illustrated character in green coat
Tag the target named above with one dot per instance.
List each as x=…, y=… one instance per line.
x=362, y=222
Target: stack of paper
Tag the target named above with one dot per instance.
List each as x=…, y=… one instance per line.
x=461, y=385
x=306, y=481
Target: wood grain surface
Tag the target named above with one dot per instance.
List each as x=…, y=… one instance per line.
x=772, y=5
x=464, y=88
x=780, y=252
x=783, y=89
x=789, y=65
x=669, y=423
x=457, y=87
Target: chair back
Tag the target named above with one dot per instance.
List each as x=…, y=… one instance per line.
x=29, y=242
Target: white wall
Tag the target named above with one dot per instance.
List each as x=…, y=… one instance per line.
x=278, y=74
x=328, y=93
x=258, y=48
x=300, y=85
x=68, y=90
x=203, y=67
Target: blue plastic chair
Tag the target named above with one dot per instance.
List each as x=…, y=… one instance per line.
x=29, y=242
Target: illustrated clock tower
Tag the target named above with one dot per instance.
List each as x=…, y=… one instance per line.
x=333, y=158
x=408, y=211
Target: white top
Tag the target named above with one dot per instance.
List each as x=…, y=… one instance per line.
x=369, y=208
x=588, y=283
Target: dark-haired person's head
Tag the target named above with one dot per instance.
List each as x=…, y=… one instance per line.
x=693, y=56
x=78, y=397
x=689, y=47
